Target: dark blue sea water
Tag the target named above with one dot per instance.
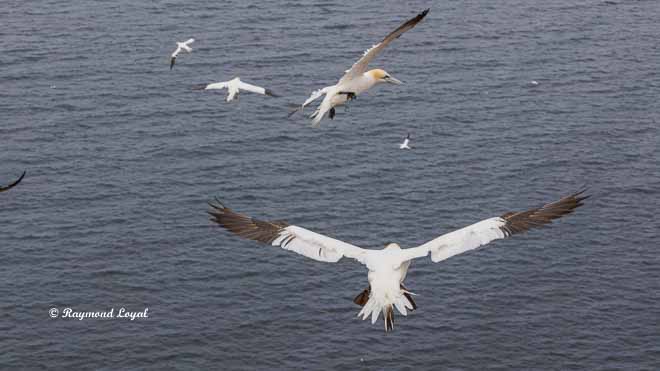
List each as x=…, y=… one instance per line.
x=122, y=158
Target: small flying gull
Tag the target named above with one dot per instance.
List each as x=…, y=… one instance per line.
x=357, y=79
x=12, y=185
x=404, y=145
x=179, y=47
x=234, y=87
x=388, y=267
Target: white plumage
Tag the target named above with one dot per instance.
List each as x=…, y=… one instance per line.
x=179, y=47
x=388, y=267
x=234, y=87
x=357, y=79
x=405, y=145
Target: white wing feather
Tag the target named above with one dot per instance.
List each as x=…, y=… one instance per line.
x=317, y=246
x=459, y=241
x=253, y=88
x=485, y=231
x=361, y=65
x=316, y=95
x=217, y=85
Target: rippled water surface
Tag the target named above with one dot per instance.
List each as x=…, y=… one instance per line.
x=122, y=158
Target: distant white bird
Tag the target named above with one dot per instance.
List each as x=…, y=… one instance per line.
x=357, y=79
x=404, y=145
x=179, y=47
x=534, y=82
x=388, y=267
x=234, y=87
x=12, y=185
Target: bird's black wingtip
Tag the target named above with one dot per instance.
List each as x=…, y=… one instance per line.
x=293, y=108
x=218, y=205
x=270, y=93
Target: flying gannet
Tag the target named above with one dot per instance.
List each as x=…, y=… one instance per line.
x=234, y=87
x=12, y=185
x=357, y=79
x=179, y=47
x=388, y=267
x=404, y=145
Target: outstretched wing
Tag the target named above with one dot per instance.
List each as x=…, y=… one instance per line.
x=361, y=65
x=289, y=237
x=485, y=231
x=255, y=89
x=213, y=86
x=316, y=94
x=12, y=185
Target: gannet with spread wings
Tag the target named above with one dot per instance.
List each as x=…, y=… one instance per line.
x=388, y=267
x=234, y=87
x=179, y=47
x=357, y=79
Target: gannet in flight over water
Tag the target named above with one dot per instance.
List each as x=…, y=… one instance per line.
x=12, y=185
x=234, y=87
x=357, y=79
x=179, y=47
x=388, y=267
x=404, y=145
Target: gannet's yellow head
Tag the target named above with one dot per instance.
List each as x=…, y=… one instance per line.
x=392, y=246
x=382, y=76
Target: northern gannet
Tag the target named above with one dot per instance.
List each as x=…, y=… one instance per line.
x=357, y=79
x=12, y=185
x=179, y=47
x=404, y=145
x=388, y=267
x=234, y=87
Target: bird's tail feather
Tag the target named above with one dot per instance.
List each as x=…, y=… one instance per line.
x=371, y=306
x=317, y=116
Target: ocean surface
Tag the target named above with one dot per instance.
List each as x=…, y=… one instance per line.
x=122, y=158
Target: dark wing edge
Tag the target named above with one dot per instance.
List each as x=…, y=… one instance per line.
x=521, y=222
x=246, y=227
x=406, y=26
x=172, y=60
x=12, y=185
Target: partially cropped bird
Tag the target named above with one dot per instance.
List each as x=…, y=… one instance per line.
x=357, y=79
x=234, y=87
x=179, y=47
x=406, y=140
x=388, y=267
x=12, y=185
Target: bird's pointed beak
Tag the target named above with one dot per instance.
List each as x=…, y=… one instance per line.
x=394, y=81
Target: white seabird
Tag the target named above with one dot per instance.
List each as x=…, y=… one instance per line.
x=234, y=87
x=404, y=145
x=357, y=79
x=388, y=267
x=12, y=185
x=179, y=47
